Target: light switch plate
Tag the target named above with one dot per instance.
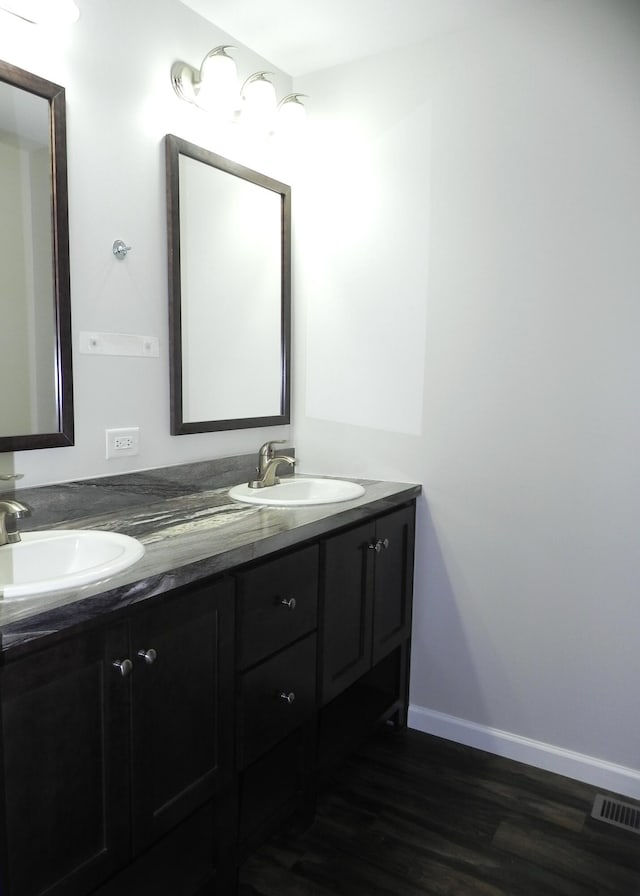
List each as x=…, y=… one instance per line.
x=123, y=344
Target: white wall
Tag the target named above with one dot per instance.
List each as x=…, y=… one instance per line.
x=115, y=65
x=466, y=313
x=468, y=317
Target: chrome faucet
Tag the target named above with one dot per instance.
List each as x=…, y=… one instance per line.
x=268, y=463
x=266, y=453
x=10, y=513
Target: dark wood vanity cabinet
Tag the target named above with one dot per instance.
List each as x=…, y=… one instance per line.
x=153, y=752
x=65, y=718
x=342, y=652
x=366, y=598
x=112, y=740
x=364, y=630
x=181, y=708
x=277, y=611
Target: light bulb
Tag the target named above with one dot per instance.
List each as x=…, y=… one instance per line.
x=217, y=90
x=259, y=102
x=292, y=115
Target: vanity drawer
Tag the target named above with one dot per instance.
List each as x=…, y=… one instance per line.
x=275, y=698
x=276, y=604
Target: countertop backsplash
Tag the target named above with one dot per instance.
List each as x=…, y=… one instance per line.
x=53, y=505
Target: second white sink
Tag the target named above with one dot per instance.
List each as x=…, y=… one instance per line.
x=298, y=492
x=63, y=558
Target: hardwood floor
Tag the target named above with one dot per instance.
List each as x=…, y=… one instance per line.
x=410, y=815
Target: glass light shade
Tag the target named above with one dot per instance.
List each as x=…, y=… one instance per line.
x=218, y=86
x=69, y=11
x=292, y=115
x=259, y=102
x=43, y=12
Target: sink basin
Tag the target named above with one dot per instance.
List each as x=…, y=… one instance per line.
x=298, y=492
x=63, y=558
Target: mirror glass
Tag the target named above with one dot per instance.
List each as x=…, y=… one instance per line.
x=36, y=409
x=229, y=231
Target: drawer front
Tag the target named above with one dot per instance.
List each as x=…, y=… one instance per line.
x=277, y=604
x=275, y=698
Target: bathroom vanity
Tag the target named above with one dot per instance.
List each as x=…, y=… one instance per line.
x=158, y=726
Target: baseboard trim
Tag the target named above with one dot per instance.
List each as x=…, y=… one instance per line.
x=605, y=775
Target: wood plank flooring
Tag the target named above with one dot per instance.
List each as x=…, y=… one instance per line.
x=413, y=815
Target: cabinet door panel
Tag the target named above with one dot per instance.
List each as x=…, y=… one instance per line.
x=393, y=582
x=178, y=864
x=346, y=614
x=178, y=736
x=65, y=731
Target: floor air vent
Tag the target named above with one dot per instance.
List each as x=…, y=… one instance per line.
x=622, y=815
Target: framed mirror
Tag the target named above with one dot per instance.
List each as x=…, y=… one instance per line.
x=36, y=401
x=229, y=233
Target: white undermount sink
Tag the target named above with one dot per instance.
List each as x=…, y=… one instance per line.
x=63, y=558
x=298, y=492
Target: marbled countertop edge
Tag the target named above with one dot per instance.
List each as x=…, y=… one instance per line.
x=191, y=532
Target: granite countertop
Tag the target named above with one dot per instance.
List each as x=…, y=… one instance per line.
x=190, y=531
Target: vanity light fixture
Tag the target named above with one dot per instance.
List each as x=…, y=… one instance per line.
x=214, y=88
x=259, y=103
x=291, y=113
x=43, y=12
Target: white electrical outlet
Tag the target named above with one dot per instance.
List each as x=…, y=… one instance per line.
x=122, y=442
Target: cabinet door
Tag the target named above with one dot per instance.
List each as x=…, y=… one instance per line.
x=65, y=733
x=346, y=609
x=182, y=689
x=393, y=581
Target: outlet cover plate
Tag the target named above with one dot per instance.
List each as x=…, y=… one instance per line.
x=122, y=442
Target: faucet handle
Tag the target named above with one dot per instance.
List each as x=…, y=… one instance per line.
x=267, y=448
x=10, y=512
x=266, y=454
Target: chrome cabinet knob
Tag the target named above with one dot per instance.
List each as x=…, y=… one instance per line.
x=125, y=667
x=287, y=698
x=379, y=545
x=289, y=604
x=149, y=656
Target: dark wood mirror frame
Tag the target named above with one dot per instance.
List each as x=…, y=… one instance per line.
x=55, y=95
x=175, y=147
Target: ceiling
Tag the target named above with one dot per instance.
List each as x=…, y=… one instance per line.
x=301, y=36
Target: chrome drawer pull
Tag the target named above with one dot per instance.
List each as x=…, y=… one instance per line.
x=125, y=667
x=289, y=604
x=288, y=698
x=149, y=656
